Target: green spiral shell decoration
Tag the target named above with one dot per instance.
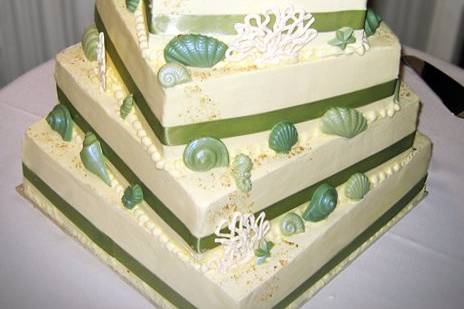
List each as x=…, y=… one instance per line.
x=133, y=196
x=241, y=170
x=345, y=122
x=93, y=159
x=357, y=187
x=343, y=37
x=126, y=106
x=372, y=23
x=90, y=42
x=322, y=203
x=206, y=153
x=132, y=5
x=283, y=137
x=173, y=74
x=60, y=121
x=195, y=50
x=291, y=224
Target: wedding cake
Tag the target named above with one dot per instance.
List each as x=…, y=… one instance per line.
x=228, y=155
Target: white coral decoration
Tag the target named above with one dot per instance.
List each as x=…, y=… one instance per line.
x=245, y=232
x=101, y=59
x=266, y=42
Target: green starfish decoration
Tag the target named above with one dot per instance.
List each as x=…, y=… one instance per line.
x=344, y=36
x=263, y=251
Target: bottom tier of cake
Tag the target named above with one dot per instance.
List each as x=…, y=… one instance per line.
x=163, y=269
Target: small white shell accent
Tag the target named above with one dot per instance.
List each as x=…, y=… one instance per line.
x=173, y=74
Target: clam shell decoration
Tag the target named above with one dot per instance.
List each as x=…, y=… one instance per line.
x=241, y=170
x=93, y=159
x=206, y=153
x=284, y=136
x=127, y=106
x=357, y=187
x=322, y=203
x=132, y=5
x=345, y=122
x=292, y=224
x=60, y=121
x=133, y=196
x=89, y=43
x=372, y=23
x=173, y=74
x=195, y=50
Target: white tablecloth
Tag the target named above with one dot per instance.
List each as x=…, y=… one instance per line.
x=418, y=264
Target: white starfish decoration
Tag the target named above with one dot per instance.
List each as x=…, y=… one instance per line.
x=101, y=59
x=245, y=232
x=266, y=41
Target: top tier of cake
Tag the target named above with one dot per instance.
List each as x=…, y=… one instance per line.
x=227, y=7
x=220, y=17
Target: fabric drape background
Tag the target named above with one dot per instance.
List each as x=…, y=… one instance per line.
x=33, y=31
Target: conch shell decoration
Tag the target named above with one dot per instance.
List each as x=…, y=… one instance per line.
x=276, y=35
x=242, y=238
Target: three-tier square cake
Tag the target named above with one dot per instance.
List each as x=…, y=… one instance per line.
x=222, y=154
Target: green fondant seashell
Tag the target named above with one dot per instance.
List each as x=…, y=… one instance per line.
x=344, y=36
x=372, y=23
x=346, y=122
x=89, y=43
x=357, y=187
x=127, y=106
x=93, y=159
x=172, y=74
x=132, y=5
x=206, y=153
x=292, y=224
x=322, y=203
x=133, y=195
x=241, y=170
x=195, y=50
x=60, y=121
x=283, y=137
x=242, y=164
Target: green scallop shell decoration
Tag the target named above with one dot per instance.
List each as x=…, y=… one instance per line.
x=345, y=122
x=284, y=136
x=93, y=159
x=195, y=50
x=89, y=43
x=127, y=106
x=372, y=23
x=241, y=170
x=322, y=203
x=357, y=187
x=292, y=224
x=132, y=5
x=206, y=153
x=60, y=121
x=173, y=74
x=133, y=196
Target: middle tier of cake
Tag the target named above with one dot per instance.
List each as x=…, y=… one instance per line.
x=193, y=204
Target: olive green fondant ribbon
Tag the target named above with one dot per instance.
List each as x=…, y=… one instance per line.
x=114, y=250
x=181, y=135
x=105, y=242
x=272, y=211
x=225, y=24
x=354, y=245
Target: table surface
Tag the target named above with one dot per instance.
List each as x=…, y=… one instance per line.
x=418, y=264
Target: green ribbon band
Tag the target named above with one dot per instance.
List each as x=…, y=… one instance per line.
x=272, y=211
x=114, y=250
x=225, y=24
x=181, y=135
x=105, y=242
